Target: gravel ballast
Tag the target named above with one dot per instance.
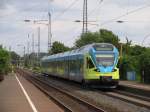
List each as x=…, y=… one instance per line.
x=109, y=104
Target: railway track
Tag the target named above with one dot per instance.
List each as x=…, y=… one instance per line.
x=129, y=97
x=66, y=100
x=138, y=100
x=144, y=98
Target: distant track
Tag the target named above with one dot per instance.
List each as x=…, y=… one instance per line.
x=144, y=98
x=129, y=97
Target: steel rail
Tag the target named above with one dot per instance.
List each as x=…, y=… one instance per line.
x=125, y=96
x=129, y=98
x=84, y=104
x=144, y=98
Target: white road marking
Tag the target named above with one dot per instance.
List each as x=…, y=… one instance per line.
x=27, y=96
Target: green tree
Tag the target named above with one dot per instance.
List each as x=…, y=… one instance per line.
x=129, y=63
x=132, y=60
x=58, y=47
x=137, y=50
x=88, y=38
x=145, y=66
x=15, y=58
x=109, y=37
x=102, y=35
x=4, y=61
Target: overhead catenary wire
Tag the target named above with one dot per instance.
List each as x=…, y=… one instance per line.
x=96, y=8
x=66, y=9
x=147, y=36
x=105, y=22
x=126, y=14
x=99, y=2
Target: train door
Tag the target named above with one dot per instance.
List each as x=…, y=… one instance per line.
x=79, y=69
x=89, y=68
x=71, y=69
x=66, y=68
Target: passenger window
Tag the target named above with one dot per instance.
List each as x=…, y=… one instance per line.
x=90, y=63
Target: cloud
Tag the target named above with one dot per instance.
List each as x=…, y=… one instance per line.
x=127, y=3
x=7, y=12
x=64, y=29
x=3, y=4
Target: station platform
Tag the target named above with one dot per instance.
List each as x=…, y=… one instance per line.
x=135, y=84
x=19, y=95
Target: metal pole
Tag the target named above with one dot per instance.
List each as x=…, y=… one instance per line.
x=24, y=54
x=10, y=52
x=32, y=43
x=49, y=32
x=28, y=45
x=38, y=56
x=11, y=59
x=32, y=50
x=121, y=50
x=143, y=73
x=28, y=51
x=85, y=17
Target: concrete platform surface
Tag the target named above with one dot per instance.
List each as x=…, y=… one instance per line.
x=13, y=99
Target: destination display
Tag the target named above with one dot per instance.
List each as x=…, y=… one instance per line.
x=103, y=48
x=105, y=55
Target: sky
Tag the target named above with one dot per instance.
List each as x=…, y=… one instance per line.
x=14, y=31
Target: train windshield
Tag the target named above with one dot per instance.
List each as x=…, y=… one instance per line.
x=105, y=59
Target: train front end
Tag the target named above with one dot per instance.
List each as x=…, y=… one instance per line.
x=102, y=65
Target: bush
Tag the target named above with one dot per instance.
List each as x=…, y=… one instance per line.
x=4, y=62
x=37, y=69
x=129, y=63
x=145, y=65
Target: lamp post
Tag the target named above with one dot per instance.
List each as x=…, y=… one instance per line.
x=38, y=30
x=88, y=22
x=121, y=45
x=49, y=34
x=24, y=50
x=49, y=28
x=120, y=21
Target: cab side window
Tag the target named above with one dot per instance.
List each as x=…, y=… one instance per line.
x=90, y=63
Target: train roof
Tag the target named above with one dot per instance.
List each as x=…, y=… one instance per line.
x=77, y=52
